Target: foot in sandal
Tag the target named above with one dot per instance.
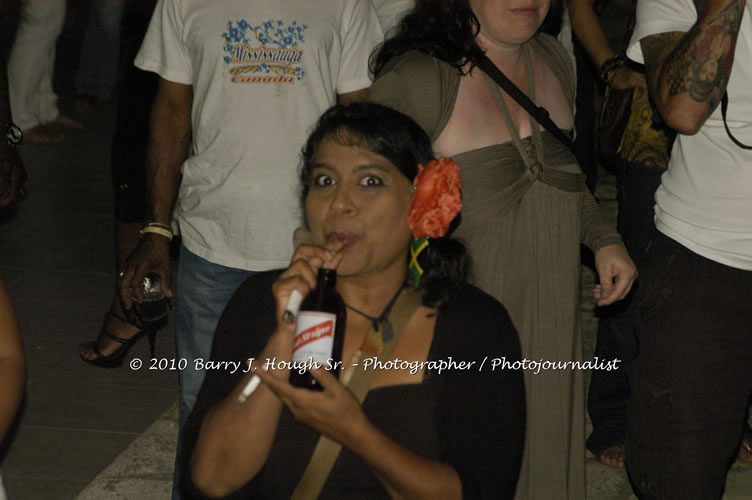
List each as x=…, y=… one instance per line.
x=612, y=456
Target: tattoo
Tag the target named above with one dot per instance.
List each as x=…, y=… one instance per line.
x=700, y=62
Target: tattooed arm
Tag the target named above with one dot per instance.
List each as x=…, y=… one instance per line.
x=688, y=72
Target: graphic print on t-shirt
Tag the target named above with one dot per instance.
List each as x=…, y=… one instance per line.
x=267, y=53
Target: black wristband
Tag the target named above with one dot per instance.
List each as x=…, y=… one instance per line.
x=609, y=66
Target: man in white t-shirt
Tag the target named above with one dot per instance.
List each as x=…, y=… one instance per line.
x=390, y=12
x=693, y=376
x=241, y=84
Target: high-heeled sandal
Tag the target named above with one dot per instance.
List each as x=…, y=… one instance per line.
x=118, y=356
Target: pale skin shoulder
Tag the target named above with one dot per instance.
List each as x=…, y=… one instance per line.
x=476, y=122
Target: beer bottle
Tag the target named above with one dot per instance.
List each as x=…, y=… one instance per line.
x=319, y=331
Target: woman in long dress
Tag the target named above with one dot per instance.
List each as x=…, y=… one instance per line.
x=526, y=208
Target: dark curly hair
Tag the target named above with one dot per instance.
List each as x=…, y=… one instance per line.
x=444, y=29
x=403, y=142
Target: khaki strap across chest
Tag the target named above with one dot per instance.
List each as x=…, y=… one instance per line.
x=358, y=380
x=533, y=154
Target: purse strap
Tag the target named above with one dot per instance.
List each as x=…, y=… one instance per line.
x=359, y=382
x=539, y=113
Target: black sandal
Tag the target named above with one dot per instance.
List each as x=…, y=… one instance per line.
x=116, y=358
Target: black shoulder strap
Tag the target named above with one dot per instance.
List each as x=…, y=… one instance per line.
x=538, y=112
x=724, y=107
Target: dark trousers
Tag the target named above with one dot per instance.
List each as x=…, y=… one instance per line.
x=691, y=380
x=585, y=117
x=608, y=394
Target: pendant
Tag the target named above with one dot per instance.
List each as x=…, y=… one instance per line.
x=387, y=332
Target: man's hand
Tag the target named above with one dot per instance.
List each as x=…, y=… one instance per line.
x=170, y=134
x=12, y=174
x=151, y=255
x=624, y=78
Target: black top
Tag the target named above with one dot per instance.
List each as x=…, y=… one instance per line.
x=472, y=419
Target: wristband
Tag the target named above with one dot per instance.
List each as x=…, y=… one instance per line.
x=609, y=66
x=157, y=228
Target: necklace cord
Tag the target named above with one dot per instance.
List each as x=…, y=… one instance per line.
x=376, y=321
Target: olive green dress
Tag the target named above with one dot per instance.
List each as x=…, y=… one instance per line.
x=526, y=211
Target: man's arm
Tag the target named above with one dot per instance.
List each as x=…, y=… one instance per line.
x=169, y=138
x=587, y=27
x=688, y=72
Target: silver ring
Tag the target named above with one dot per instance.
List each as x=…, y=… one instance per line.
x=288, y=317
x=122, y=273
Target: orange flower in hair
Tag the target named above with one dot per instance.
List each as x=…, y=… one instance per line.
x=437, y=199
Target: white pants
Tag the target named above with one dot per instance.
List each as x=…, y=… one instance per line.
x=31, y=63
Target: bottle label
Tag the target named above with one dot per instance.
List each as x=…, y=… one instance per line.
x=314, y=336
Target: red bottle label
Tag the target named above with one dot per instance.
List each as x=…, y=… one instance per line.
x=314, y=336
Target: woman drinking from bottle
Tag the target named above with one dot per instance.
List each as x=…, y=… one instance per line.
x=436, y=421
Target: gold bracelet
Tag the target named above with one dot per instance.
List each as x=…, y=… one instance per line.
x=156, y=230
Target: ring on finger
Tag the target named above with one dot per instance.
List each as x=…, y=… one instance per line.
x=288, y=317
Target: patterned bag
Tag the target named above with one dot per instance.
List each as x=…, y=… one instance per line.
x=617, y=105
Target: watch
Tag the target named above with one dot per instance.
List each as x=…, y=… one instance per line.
x=13, y=134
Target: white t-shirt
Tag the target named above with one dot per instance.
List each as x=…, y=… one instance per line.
x=262, y=73
x=565, y=35
x=390, y=12
x=705, y=198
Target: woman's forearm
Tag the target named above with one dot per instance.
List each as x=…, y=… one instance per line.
x=235, y=438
